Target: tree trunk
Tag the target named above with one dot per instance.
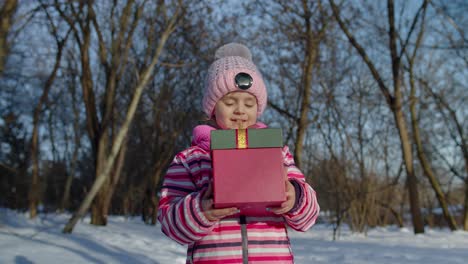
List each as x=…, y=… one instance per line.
x=397, y=216
x=76, y=146
x=122, y=132
x=303, y=121
x=424, y=162
x=119, y=54
x=396, y=107
x=465, y=210
x=34, y=188
x=428, y=172
x=418, y=223
x=98, y=216
x=154, y=216
x=442, y=104
x=7, y=11
x=66, y=191
x=98, y=208
x=126, y=204
x=101, y=203
x=34, y=194
x=114, y=179
x=463, y=145
x=312, y=49
x=154, y=182
x=394, y=102
x=309, y=31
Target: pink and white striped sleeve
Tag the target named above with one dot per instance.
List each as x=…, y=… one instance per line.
x=179, y=210
x=305, y=212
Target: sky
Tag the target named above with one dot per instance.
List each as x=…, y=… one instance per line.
x=129, y=240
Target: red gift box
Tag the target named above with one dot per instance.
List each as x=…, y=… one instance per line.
x=248, y=170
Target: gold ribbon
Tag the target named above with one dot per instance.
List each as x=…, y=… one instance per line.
x=242, y=138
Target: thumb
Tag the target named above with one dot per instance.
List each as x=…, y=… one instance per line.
x=289, y=186
x=208, y=192
x=207, y=204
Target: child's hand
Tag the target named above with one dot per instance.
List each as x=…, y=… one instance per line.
x=210, y=212
x=287, y=205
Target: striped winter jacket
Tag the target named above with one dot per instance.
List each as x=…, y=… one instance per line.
x=220, y=242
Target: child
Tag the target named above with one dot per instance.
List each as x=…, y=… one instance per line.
x=235, y=96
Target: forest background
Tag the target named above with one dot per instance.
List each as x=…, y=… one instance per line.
x=96, y=97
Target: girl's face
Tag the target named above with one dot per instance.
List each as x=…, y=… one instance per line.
x=236, y=110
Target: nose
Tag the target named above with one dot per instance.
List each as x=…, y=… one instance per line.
x=239, y=110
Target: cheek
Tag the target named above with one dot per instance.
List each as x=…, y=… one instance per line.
x=222, y=122
x=253, y=116
x=221, y=112
x=253, y=112
x=220, y=117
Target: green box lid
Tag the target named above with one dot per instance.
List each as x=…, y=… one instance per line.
x=256, y=138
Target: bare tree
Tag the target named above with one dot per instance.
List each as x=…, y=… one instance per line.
x=458, y=134
x=76, y=142
x=34, y=193
x=106, y=160
x=416, y=133
x=298, y=30
x=395, y=100
x=349, y=128
x=453, y=41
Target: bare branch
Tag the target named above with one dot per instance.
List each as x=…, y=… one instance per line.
x=388, y=97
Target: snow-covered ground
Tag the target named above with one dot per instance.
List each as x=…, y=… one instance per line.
x=24, y=241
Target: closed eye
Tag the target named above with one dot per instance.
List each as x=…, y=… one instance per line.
x=228, y=102
x=250, y=103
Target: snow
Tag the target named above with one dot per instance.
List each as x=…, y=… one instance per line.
x=129, y=240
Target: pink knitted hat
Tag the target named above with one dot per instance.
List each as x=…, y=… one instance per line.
x=233, y=70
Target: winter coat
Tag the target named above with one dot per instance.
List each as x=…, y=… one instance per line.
x=209, y=242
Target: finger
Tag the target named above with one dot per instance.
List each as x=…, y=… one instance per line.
x=277, y=210
x=209, y=191
x=207, y=204
x=284, y=208
x=289, y=185
x=290, y=191
x=226, y=211
x=220, y=213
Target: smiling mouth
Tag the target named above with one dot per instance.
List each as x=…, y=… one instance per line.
x=241, y=124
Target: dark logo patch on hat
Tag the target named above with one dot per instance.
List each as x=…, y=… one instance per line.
x=243, y=80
